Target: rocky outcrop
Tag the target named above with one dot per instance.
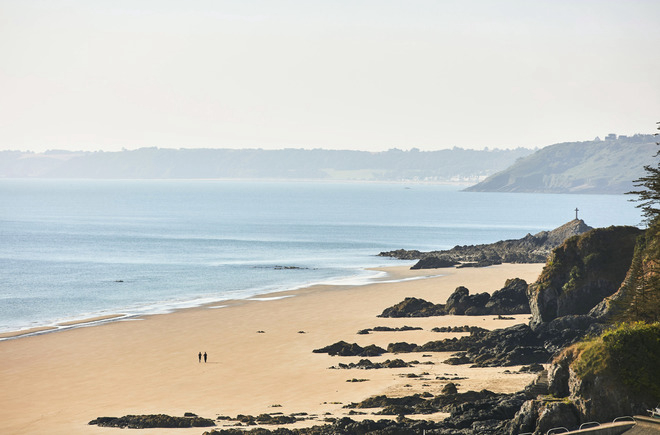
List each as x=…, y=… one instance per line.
x=582, y=272
x=435, y=262
x=511, y=299
x=152, y=421
x=467, y=410
x=347, y=426
x=365, y=364
x=414, y=307
x=538, y=416
x=516, y=345
x=530, y=249
x=610, y=375
x=341, y=348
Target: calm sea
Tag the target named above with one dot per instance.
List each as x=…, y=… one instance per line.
x=73, y=249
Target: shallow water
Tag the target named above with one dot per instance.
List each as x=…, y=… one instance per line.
x=74, y=249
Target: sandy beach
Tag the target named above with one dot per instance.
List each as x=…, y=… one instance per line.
x=260, y=356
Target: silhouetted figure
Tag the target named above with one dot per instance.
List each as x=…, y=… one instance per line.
x=200, y=357
x=204, y=356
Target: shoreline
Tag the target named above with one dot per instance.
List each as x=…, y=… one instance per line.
x=169, y=307
x=148, y=365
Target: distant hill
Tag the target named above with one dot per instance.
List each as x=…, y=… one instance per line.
x=599, y=166
x=452, y=165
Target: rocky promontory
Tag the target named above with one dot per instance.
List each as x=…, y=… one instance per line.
x=582, y=272
x=530, y=249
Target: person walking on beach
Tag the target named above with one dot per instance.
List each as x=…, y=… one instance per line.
x=204, y=356
x=200, y=357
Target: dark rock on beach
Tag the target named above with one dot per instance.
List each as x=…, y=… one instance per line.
x=471, y=413
x=414, y=307
x=516, y=345
x=464, y=328
x=433, y=262
x=366, y=364
x=151, y=421
x=342, y=348
x=510, y=299
x=389, y=329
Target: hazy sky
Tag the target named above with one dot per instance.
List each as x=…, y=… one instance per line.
x=354, y=74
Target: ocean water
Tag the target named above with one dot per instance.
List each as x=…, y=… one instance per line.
x=75, y=249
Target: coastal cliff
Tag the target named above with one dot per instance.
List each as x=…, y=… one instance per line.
x=582, y=272
x=615, y=372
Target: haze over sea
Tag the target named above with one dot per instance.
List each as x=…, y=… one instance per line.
x=76, y=249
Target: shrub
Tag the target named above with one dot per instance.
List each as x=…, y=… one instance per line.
x=630, y=353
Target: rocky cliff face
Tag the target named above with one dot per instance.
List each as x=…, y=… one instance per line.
x=530, y=249
x=638, y=297
x=582, y=272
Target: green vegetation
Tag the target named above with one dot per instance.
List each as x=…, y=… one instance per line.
x=602, y=254
x=598, y=166
x=628, y=353
x=640, y=292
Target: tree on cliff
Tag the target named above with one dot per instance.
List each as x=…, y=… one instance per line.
x=641, y=288
x=642, y=284
x=649, y=196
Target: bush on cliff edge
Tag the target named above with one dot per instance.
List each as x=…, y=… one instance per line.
x=629, y=353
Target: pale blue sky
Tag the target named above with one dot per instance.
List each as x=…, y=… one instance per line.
x=371, y=75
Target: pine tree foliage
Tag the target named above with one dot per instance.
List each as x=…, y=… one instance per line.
x=649, y=195
x=641, y=288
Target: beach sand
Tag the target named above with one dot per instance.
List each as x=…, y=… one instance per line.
x=57, y=382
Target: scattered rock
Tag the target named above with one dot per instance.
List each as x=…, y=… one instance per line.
x=464, y=328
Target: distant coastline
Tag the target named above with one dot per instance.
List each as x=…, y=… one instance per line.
x=444, y=166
